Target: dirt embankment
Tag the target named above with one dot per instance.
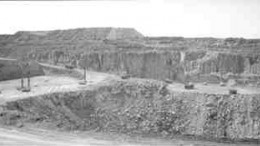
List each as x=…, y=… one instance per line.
x=140, y=107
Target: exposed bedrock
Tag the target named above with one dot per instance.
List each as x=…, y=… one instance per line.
x=145, y=64
x=198, y=65
x=141, y=106
x=152, y=64
x=127, y=50
x=11, y=69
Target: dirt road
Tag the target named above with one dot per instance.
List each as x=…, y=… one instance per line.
x=37, y=137
x=47, y=84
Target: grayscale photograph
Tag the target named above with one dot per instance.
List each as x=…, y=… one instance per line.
x=130, y=73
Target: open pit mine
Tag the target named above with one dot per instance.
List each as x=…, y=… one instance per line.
x=109, y=86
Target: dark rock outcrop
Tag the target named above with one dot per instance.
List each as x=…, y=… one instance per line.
x=10, y=69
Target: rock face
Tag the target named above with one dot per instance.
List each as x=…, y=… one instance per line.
x=201, y=66
x=118, y=50
x=9, y=69
x=151, y=64
x=141, y=106
x=197, y=66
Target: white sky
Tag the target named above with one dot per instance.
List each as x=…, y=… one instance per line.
x=188, y=18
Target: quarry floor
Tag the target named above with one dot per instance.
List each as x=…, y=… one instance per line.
x=214, y=89
x=58, y=83
x=49, y=84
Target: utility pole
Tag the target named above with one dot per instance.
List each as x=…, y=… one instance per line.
x=83, y=64
x=29, y=76
x=85, y=74
x=20, y=64
x=24, y=65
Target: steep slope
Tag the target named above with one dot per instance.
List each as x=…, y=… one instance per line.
x=10, y=69
x=199, y=66
x=126, y=50
x=140, y=107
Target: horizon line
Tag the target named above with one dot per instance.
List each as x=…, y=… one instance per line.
x=151, y=36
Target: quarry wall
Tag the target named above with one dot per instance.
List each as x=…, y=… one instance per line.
x=141, y=107
x=118, y=50
x=199, y=66
x=9, y=69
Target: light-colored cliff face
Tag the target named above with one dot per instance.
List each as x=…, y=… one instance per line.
x=196, y=65
x=145, y=64
x=126, y=50
x=151, y=64
x=141, y=106
x=226, y=64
